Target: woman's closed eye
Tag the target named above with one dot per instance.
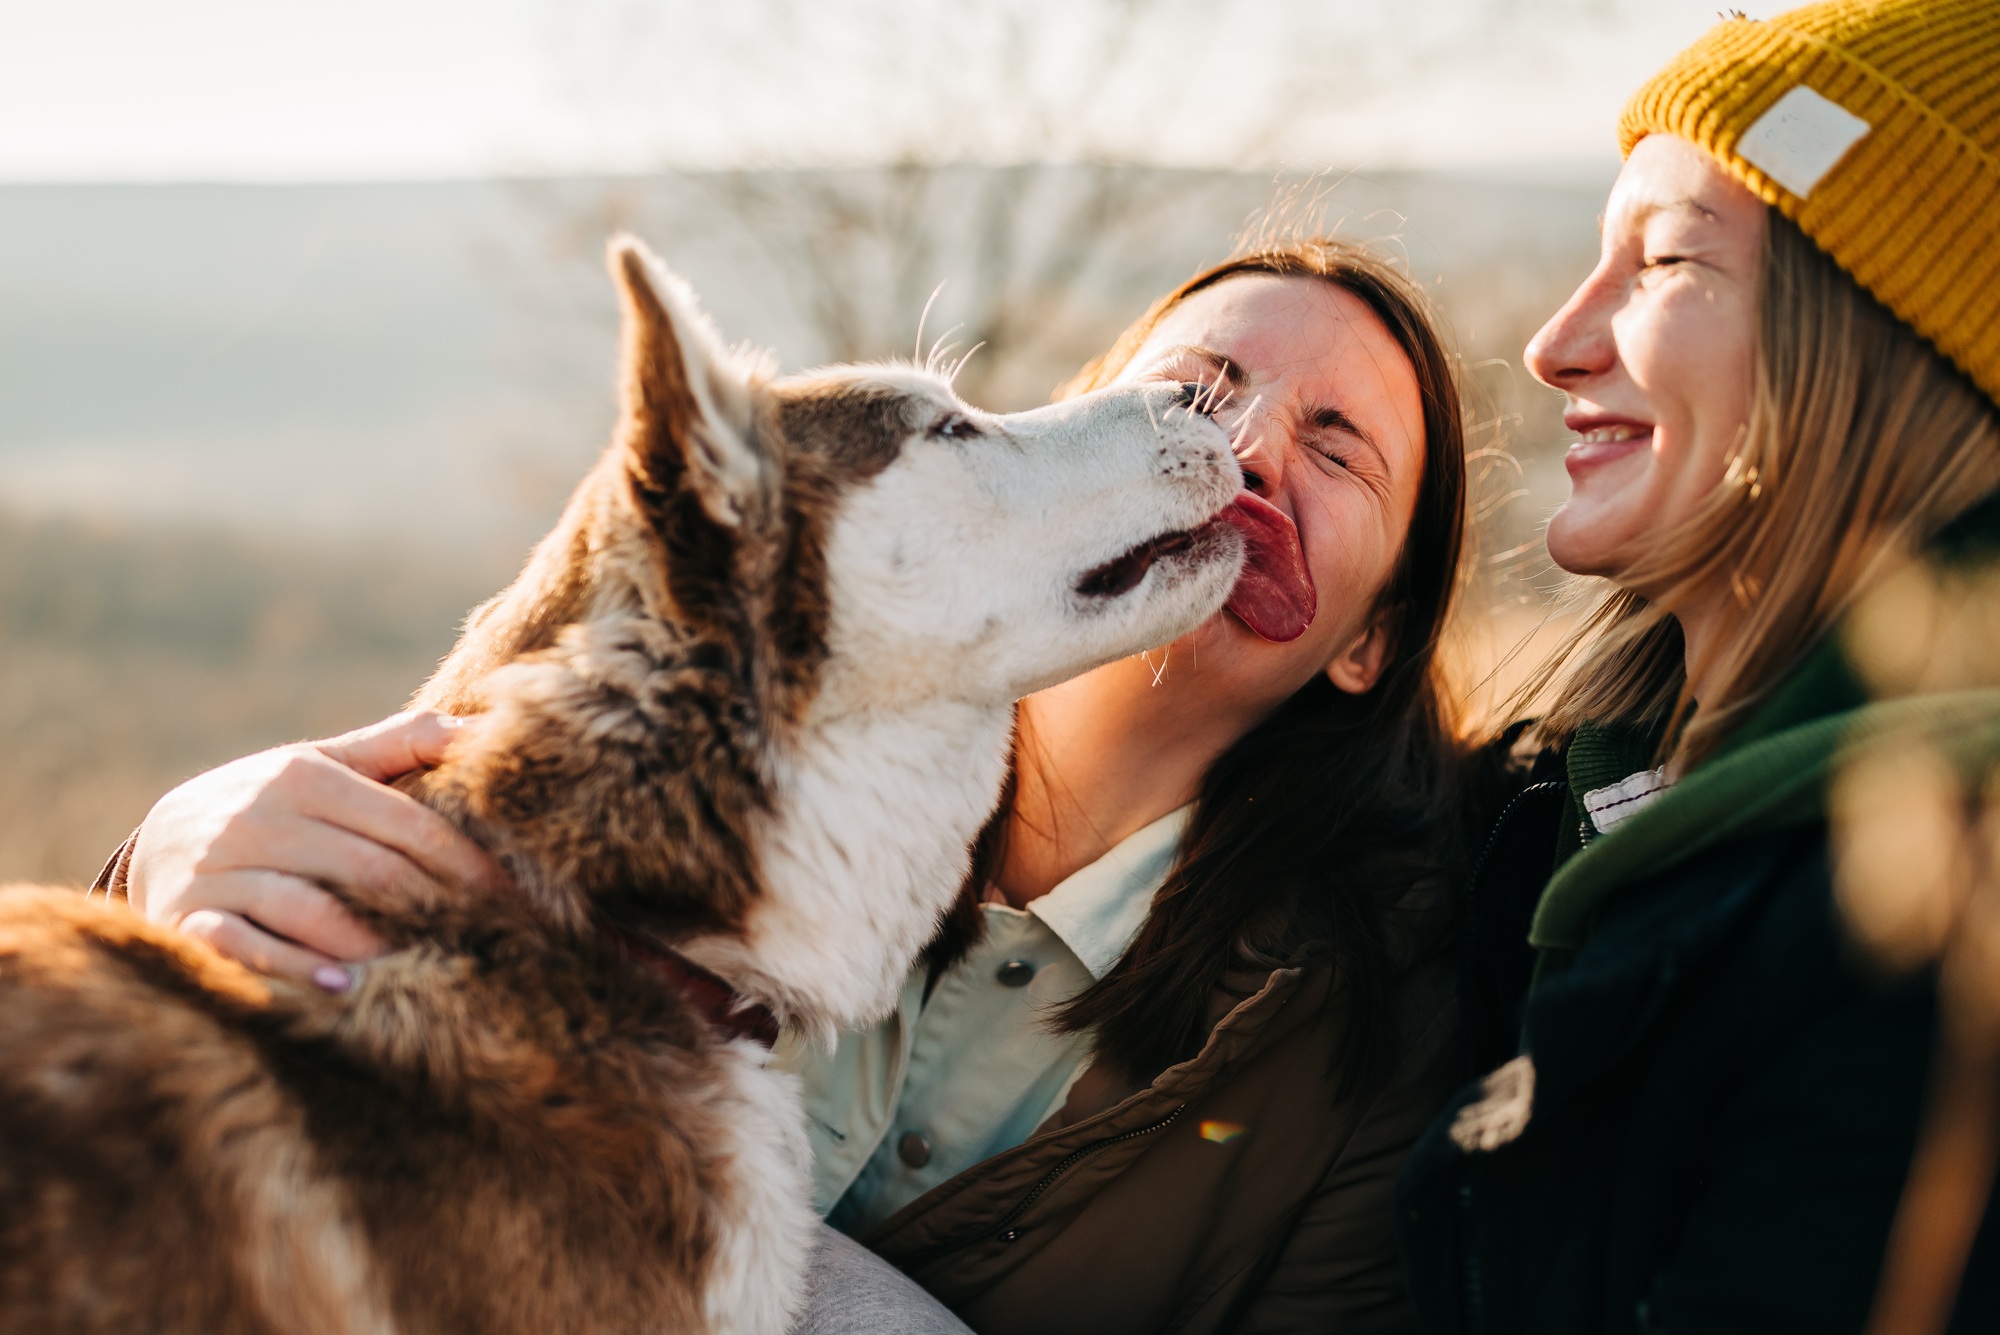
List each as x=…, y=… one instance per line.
x=1339, y=444
x=1339, y=455
x=1331, y=453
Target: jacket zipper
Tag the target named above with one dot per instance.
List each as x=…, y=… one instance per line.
x=1471, y=1279
x=1471, y=1282
x=1003, y=1226
x=1500, y=825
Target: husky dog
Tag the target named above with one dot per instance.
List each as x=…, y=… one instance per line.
x=731, y=732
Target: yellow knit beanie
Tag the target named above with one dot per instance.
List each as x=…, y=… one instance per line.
x=1875, y=126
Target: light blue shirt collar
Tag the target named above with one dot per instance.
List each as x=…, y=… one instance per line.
x=1098, y=910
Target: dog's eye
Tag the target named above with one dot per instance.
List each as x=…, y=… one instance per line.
x=955, y=426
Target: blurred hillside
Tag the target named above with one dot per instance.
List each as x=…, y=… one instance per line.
x=131, y=658
x=261, y=446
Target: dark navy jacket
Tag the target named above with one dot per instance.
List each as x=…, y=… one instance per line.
x=1725, y=1105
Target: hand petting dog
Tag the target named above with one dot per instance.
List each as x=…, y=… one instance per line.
x=209, y=855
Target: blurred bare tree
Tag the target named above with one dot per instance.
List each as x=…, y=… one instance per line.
x=1020, y=152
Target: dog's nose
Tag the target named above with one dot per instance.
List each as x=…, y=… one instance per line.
x=1196, y=398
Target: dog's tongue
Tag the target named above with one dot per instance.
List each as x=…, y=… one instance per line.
x=1274, y=595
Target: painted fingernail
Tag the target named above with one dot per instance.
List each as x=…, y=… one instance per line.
x=333, y=978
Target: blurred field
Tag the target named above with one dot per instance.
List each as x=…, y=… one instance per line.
x=133, y=657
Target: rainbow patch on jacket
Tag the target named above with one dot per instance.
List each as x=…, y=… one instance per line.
x=1222, y=1132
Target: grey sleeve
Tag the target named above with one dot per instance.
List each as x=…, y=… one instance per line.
x=112, y=880
x=852, y=1291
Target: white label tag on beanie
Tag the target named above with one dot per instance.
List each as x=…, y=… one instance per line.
x=1798, y=141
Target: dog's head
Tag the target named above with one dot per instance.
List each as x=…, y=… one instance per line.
x=986, y=556
x=759, y=559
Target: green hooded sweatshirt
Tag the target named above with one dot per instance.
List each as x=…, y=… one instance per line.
x=1772, y=773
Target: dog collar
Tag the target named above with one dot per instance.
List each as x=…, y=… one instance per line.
x=734, y=1014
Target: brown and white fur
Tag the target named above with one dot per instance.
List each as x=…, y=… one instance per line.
x=748, y=702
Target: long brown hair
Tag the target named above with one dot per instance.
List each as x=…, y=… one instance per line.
x=1314, y=837
x=1863, y=441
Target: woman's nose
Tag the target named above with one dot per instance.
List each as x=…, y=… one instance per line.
x=1576, y=344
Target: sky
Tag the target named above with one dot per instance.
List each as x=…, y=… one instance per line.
x=306, y=90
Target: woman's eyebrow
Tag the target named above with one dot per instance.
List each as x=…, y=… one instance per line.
x=1645, y=209
x=1326, y=417
x=1642, y=211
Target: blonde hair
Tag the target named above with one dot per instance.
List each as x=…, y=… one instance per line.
x=1862, y=443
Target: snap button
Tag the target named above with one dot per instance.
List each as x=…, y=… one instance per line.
x=1015, y=973
x=914, y=1149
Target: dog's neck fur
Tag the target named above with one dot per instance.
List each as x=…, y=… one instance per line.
x=870, y=807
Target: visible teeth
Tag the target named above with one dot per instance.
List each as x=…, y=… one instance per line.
x=1604, y=435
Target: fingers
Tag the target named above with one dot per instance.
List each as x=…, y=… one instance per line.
x=299, y=915
x=332, y=795
x=358, y=865
x=254, y=948
x=394, y=747
x=261, y=856
x=305, y=914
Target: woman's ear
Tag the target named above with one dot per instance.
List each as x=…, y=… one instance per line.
x=1356, y=668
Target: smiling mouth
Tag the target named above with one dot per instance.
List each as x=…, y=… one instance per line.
x=1612, y=435
x=1605, y=444
x=1121, y=574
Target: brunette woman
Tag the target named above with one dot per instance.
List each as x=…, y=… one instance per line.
x=1783, y=375
x=1160, y=1072
x=1161, y=1067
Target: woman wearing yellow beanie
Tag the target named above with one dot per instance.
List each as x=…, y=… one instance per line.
x=1701, y=975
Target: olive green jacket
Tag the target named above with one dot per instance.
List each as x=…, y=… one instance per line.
x=1238, y=1191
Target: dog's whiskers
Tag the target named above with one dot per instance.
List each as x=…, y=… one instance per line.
x=940, y=350
x=917, y=348
x=951, y=376
x=1237, y=446
x=1208, y=399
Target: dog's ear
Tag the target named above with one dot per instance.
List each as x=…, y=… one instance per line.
x=688, y=402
